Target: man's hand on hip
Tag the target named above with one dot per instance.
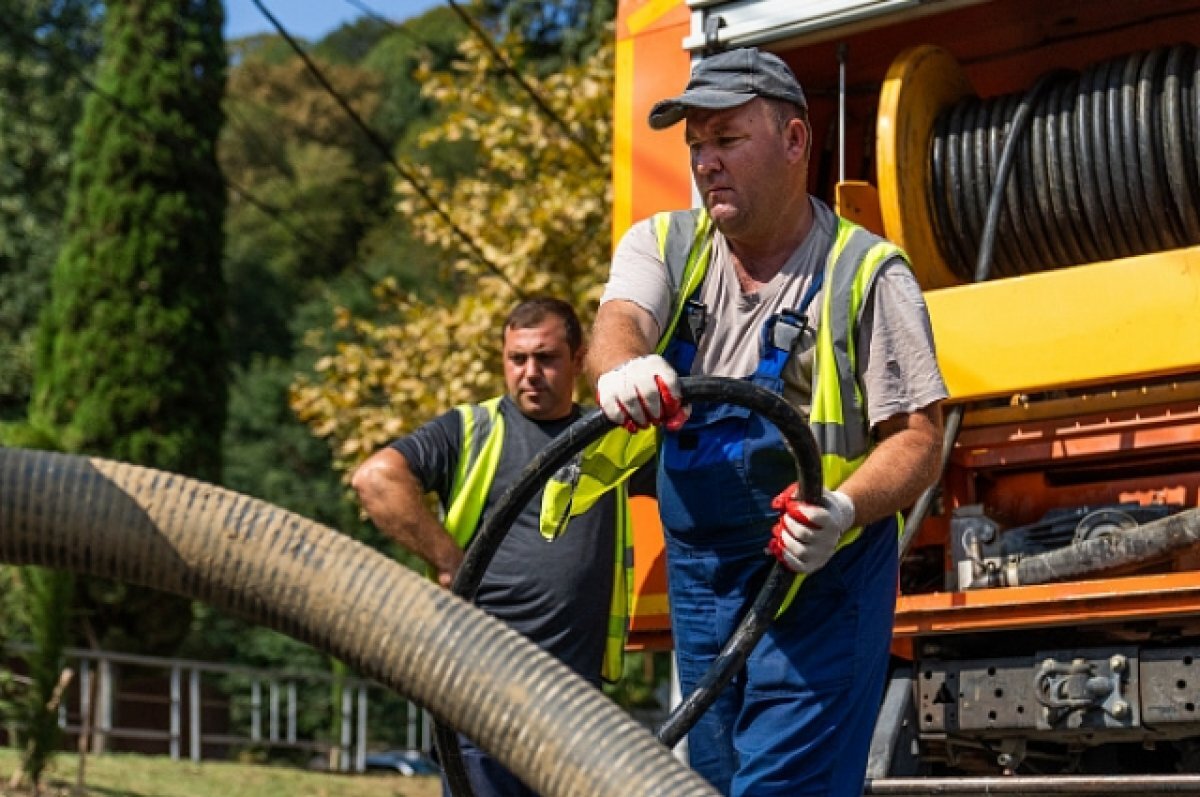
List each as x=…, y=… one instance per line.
x=806, y=535
x=642, y=392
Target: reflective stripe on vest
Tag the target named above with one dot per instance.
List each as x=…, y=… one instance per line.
x=478, y=460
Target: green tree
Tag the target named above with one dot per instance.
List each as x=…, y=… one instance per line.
x=553, y=33
x=47, y=606
x=429, y=41
x=45, y=45
x=130, y=353
x=536, y=214
x=306, y=186
x=130, y=360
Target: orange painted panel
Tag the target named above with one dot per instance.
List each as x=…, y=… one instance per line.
x=650, y=167
x=650, y=610
x=1135, y=598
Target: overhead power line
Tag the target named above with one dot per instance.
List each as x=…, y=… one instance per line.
x=401, y=29
x=377, y=141
x=510, y=70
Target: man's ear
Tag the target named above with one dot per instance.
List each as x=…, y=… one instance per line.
x=799, y=138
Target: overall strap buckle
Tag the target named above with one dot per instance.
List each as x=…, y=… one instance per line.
x=781, y=334
x=681, y=351
x=694, y=322
x=784, y=330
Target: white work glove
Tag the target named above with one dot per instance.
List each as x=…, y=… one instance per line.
x=642, y=392
x=806, y=535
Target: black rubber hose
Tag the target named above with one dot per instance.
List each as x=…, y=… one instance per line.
x=1089, y=192
x=1182, y=180
x=1102, y=165
x=696, y=389
x=280, y=570
x=1104, y=173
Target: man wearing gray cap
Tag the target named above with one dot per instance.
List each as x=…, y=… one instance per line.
x=767, y=284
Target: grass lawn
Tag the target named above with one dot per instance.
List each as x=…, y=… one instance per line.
x=126, y=775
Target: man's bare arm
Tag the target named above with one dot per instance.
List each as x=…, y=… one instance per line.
x=900, y=467
x=393, y=499
x=622, y=331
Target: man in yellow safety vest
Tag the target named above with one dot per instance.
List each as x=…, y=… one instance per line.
x=766, y=283
x=570, y=597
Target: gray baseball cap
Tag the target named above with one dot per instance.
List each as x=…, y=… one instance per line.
x=727, y=80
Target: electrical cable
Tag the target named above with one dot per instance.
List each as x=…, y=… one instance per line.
x=560, y=452
x=399, y=28
x=508, y=69
x=1109, y=167
x=506, y=66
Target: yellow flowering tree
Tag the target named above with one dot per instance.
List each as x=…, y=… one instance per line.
x=530, y=216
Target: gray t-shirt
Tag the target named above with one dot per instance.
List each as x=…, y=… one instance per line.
x=897, y=365
x=557, y=593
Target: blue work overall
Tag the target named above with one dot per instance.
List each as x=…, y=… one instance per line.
x=798, y=718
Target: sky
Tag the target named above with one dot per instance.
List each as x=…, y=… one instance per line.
x=312, y=19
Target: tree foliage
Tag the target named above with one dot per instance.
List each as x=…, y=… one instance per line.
x=553, y=33
x=130, y=355
x=533, y=218
x=130, y=362
x=44, y=45
x=47, y=607
x=317, y=185
x=428, y=41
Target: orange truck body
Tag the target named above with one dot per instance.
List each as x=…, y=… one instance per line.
x=1079, y=386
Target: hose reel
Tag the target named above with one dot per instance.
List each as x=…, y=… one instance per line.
x=1110, y=167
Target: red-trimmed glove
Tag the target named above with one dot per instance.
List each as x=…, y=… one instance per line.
x=806, y=535
x=642, y=392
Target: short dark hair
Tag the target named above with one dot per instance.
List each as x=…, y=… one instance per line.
x=785, y=111
x=532, y=312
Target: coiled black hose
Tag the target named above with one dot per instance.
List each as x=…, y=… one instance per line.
x=696, y=389
x=1110, y=167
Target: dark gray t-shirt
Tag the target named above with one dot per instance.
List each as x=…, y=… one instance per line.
x=557, y=593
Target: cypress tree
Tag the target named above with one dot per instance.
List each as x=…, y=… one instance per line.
x=130, y=357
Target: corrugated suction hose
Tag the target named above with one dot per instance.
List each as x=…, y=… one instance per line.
x=183, y=536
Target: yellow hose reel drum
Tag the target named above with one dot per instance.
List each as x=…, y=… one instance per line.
x=920, y=83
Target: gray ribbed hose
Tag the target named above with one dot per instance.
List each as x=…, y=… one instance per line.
x=557, y=733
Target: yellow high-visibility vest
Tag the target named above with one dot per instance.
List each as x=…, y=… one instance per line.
x=478, y=460
x=838, y=417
